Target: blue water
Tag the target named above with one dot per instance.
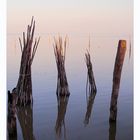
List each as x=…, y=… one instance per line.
x=44, y=80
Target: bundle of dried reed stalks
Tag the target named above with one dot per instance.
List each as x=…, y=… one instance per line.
x=28, y=49
x=60, y=55
x=90, y=78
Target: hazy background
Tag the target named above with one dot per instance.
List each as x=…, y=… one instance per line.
x=98, y=17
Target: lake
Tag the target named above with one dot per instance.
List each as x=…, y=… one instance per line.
x=43, y=117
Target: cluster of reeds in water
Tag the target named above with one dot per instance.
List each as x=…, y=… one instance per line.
x=60, y=55
x=90, y=75
x=28, y=49
x=22, y=94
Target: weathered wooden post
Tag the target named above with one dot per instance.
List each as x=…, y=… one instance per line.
x=60, y=55
x=28, y=49
x=116, y=79
x=62, y=107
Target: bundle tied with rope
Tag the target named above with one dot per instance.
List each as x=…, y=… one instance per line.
x=28, y=49
x=60, y=55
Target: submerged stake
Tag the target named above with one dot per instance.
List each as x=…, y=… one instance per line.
x=116, y=79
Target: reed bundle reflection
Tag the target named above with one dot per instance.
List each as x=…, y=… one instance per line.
x=60, y=122
x=90, y=101
x=25, y=118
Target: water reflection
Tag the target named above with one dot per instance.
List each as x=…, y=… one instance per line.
x=89, y=108
x=60, y=121
x=90, y=96
x=25, y=118
x=112, y=130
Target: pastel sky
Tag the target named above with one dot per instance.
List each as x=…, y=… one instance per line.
x=109, y=17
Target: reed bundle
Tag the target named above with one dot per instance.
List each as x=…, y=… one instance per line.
x=60, y=55
x=28, y=49
x=90, y=78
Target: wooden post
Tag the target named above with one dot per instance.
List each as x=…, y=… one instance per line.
x=116, y=79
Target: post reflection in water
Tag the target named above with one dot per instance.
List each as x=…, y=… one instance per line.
x=90, y=96
x=62, y=107
x=25, y=118
x=62, y=102
x=112, y=130
x=89, y=108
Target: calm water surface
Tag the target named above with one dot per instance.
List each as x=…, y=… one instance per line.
x=43, y=116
